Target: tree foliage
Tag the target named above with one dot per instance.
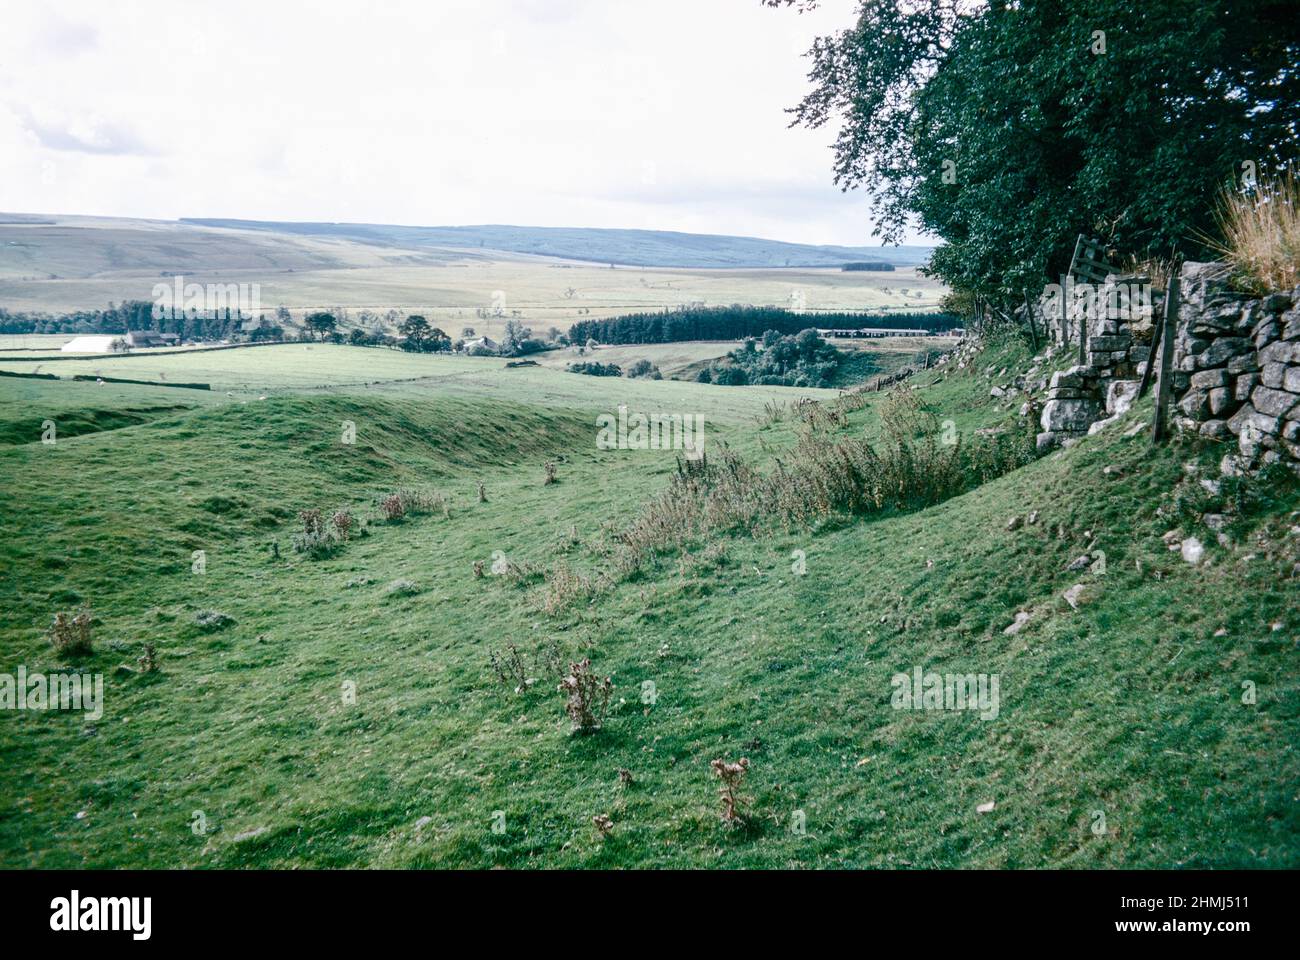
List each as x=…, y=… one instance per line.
x=321, y=323
x=1008, y=128
x=420, y=337
x=739, y=321
x=801, y=360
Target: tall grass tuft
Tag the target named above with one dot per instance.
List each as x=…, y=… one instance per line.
x=821, y=480
x=1261, y=234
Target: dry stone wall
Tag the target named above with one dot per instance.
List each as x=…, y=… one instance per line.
x=1236, y=364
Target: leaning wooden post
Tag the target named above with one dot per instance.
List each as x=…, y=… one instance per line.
x=1029, y=315
x=1065, y=326
x=1164, y=390
x=1157, y=332
x=1083, y=333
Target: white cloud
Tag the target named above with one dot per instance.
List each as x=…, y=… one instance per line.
x=555, y=112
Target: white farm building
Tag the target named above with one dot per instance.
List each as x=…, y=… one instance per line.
x=90, y=344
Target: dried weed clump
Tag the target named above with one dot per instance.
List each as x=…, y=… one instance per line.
x=70, y=635
x=732, y=776
x=586, y=696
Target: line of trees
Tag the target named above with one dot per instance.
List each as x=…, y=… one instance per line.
x=139, y=315
x=738, y=321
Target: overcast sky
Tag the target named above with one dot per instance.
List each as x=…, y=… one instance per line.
x=603, y=113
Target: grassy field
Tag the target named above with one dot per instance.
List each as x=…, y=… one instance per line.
x=246, y=748
x=33, y=342
x=79, y=407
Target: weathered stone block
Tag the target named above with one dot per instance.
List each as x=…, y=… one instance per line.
x=1265, y=333
x=1246, y=363
x=1105, y=344
x=1244, y=384
x=1214, y=429
x=1273, y=403
x=1072, y=378
x=1209, y=379
x=1291, y=380
x=1220, y=401
x=1221, y=351
x=1280, y=352
x=1215, y=323
x=1195, y=403
x=1272, y=375
x=1070, y=416
x=1120, y=396
x=1248, y=418
x=1067, y=393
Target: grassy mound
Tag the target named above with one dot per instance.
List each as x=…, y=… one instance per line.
x=347, y=711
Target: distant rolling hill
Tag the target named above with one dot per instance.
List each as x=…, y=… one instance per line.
x=641, y=248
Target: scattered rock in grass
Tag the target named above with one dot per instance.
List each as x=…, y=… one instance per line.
x=1112, y=471
x=1192, y=550
x=401, y=588
x=212, y=620
x=1022, y=617
x=358, y=582
x=249, y=835
x=423, y=822
x=1173, y=540
x=1032, y=518
x=1231, y=466
x=1074, y=596
x=1221, y=632
x=1015, y=523
x=1081, y=562
x=986, y=807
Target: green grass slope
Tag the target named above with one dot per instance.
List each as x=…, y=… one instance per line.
x=1122, y=737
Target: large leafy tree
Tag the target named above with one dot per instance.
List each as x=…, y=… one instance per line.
x=1008, y=128
x=322, y=324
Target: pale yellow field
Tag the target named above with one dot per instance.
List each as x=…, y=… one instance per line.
x=84, y=263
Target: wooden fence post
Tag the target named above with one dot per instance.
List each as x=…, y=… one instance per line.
x=1157, y=333
x=1029, y=315
x=1065, y=327
x=1083, y=335
x=1164, y=389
